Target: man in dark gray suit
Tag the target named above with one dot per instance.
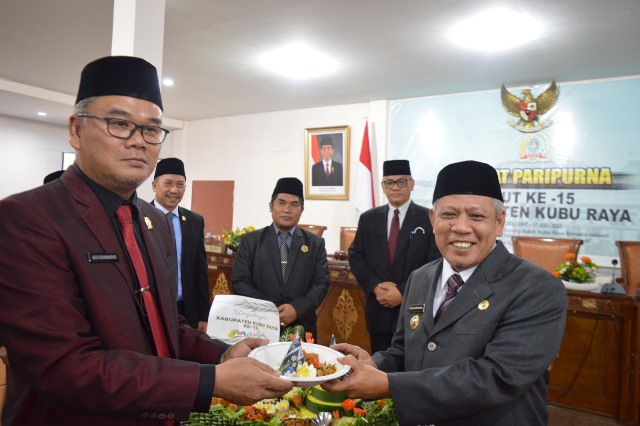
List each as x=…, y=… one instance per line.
x=169, y=184
x=381, y=273
x=294, y=276
x=477, y=330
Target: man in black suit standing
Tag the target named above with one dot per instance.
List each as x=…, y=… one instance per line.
x=391, y=241
x=284, y=263
x=169, y=184
x=326, y=172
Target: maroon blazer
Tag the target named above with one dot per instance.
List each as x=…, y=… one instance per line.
x=79, y=352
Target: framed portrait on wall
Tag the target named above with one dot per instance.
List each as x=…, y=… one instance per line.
x=326, y=163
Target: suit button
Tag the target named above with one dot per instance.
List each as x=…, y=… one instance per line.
x=432, y=346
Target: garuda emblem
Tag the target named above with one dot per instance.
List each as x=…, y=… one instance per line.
x=529, y=109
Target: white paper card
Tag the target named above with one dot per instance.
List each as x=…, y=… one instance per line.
x=233, y=318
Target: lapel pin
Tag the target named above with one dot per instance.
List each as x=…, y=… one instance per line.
x=304, y=248
x=484, y=305
x=148, y=222
x=414, y=321
x=184, y=218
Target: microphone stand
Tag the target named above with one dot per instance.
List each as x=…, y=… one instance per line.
x=613, y=287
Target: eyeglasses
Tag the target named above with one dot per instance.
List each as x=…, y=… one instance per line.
x=402, y=183
x=124, y=129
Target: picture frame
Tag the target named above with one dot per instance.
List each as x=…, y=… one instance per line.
x=322, y=144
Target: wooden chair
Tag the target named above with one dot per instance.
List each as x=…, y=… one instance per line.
x=314, y=229
x=347, y=234
x=630, y=266
x=545, y=252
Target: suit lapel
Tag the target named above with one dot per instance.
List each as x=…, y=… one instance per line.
x=93, y=214
x=165, y=293
x=408, y=225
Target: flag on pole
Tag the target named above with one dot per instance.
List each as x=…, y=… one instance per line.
x=315, y=152
x=364, y=176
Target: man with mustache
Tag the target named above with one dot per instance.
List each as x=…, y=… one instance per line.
x=284, y=263
x=477, y=330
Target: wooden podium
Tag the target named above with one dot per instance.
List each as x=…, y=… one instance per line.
x=597, y=367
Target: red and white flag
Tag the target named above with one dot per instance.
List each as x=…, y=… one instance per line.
x=364, y=199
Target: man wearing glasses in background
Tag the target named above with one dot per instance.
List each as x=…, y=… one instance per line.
x=391, y=242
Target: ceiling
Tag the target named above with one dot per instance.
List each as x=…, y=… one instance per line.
x=387, y=49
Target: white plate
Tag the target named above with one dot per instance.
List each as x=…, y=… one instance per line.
x=274, y=353
x=580, y=286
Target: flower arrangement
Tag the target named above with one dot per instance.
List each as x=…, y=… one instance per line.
x=232, y=238
x=576, y=272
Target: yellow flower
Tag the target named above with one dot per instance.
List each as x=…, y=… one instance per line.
x=232, y=238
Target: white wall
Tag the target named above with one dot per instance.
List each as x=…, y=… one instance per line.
x=256, y=150
x=30, y=150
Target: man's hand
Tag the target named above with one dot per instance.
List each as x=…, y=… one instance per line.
x=387, y=294
x=287, y=314
x=356, y=351
x=242, y=348
x=202, y=326
x=362, y=381
x=245, y=381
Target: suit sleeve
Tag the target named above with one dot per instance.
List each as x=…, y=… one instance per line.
x=305, y=305
x=87, y=354
x=359, y=256
x=201, y=278
x=486, y=364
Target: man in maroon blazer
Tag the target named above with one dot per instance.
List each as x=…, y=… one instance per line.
x=79, y=328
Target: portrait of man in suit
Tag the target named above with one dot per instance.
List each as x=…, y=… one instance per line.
x=327, y=172
x=477, y=329
x=169, y=185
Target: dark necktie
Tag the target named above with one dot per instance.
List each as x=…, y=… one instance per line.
x=284, y=253
x=453, y=285
x=157, y=330
x=393, y=236
x=326, y=170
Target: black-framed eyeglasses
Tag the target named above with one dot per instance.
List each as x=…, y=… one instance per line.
x=124, y=129
x=402, y=183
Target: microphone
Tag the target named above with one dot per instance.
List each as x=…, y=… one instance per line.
x=613, y=287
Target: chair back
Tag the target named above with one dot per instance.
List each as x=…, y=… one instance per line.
x=630, y=266
x=314, y=229
x=545, y=252
x=347, y=234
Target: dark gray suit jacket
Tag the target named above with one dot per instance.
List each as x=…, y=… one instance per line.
x=256, y=272
x=369, y=258
x=486, y=360
x=195, y=275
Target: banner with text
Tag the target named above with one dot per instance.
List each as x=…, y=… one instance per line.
x=573, y=173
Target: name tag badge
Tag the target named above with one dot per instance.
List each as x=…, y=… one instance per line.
x=102, y=257
x=416, y=308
